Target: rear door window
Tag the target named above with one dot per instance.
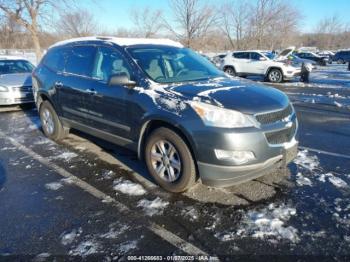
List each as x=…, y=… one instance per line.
x=241, y=55
x=80, y=60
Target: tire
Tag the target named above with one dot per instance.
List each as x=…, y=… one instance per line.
x=230, y=70
x=183, y=169
x=51, y=124
x=275, y=76
x=341, y=61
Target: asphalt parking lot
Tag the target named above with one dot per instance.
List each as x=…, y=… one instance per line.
x=87, y=197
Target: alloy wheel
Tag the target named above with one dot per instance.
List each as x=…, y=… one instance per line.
x=166, y=160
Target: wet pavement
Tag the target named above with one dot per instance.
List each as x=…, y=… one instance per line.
x=86, y=197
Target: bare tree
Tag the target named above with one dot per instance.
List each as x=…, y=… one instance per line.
x=328, y=29
x=234, y=21
x=192, y=18
x=28, y=14
x=147, y=22
x=77, y=24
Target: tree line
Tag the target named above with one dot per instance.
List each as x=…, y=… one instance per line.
x=234, y=25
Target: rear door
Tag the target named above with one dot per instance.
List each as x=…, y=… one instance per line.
x=241, y=61
x=255, y=65
x=107, y=108
x=74, y=87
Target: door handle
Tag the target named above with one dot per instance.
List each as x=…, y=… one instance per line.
x=91, y=91
x=58, y=84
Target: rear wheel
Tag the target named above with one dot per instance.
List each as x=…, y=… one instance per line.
x=169, y=160
x=51, y=124
x=230, y=70
x=275, y=76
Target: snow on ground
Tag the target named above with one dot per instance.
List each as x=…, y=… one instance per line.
x=127, y=246
x=310, y=166
x=303, y=181
x=128, y=187
x=54, y=186
x=153, y=207
x=269, y=223
x=68, y=238
x=115, y=231
x=67, y=156
x=86, y=248
x=190, y=212
x=307, y=161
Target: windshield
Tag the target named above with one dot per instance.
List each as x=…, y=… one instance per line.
x=171, y=64
x=15, y=67
x=269, y=55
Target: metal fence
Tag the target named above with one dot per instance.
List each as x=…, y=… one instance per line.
x=28, y=54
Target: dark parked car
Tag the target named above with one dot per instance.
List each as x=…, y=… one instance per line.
x=15, y=81
x=342, y=57
x=182, y=115
x=312, y=56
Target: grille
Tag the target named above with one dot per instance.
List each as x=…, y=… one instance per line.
x=23, y=89
x=281, y=136
x=273, y=117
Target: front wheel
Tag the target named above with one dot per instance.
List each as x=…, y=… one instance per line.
x=51, y=124
x=230, y=70
x=169, y=160
x=275, y=76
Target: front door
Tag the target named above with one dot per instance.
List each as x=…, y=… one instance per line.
x=106, y=106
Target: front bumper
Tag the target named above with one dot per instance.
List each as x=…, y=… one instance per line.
x=289, y=74
x=13, y=97
x=272, y=144
x=224, y=176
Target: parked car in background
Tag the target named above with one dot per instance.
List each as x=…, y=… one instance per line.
x=15, y=81
x=297, y=61
x=218, y=59
x=245, y=63
x=182, y=115
x=312, y=56
x=327, y=54
x=341, y=57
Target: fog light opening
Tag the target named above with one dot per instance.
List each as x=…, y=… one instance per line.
x=239, y=157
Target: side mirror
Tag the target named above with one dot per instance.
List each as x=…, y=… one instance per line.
x=121, y=79
x=262, y=59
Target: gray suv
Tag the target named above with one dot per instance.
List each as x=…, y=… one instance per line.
x=183, y=116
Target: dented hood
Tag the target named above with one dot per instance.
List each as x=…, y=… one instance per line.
x=237, y=94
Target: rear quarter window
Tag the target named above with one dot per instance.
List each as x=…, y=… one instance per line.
x=80, y=60
x=55, y=59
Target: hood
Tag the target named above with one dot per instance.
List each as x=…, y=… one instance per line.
x=236, y=94
x=10, y=80
x=285, y=53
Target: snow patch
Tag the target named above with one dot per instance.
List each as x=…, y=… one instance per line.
x=68, y=238
x=336, y=181
x=303, y=181
x=268, y=223
x=53, y=186
x=127, y=246
x=86, y=248
x=306, y=161
x=114, y=233
x=153, y=207
x=128, y=187
x=67, y=156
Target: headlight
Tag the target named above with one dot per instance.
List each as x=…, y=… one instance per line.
x=3, y=89
x=220, y=117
